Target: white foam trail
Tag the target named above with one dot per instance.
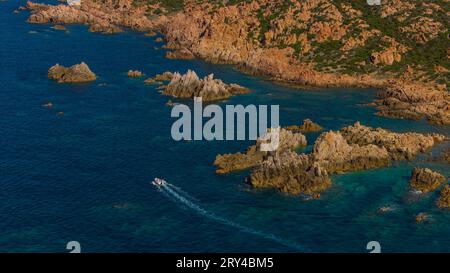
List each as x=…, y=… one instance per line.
x=176, y=194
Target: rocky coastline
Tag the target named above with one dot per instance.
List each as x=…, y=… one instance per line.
x=226, y=34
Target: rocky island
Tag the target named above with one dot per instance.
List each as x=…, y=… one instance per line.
x=189, y=85
x=75, y=73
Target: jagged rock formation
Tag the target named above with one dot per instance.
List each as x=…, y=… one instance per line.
x=189, y=85
x=253, y=156
x=308, y=126
x=76, y=73
x=352, y=148
x=415, y=101
x=444, y=198
x=400, y=146
x=426, y=180
x=291, y=173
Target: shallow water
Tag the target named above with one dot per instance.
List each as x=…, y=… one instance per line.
x=85, y=176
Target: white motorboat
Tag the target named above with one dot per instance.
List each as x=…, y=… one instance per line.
x=159, y=182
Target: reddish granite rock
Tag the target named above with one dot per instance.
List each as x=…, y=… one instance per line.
x=235, y=162
x=426, y=180
x=444, y=198
x=76, y=73
x=189, y=85
x=308, y=126
x=134, y=73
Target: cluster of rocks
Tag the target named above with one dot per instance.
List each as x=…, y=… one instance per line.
x=355, y=147
x=189, y=85
x=75, y=73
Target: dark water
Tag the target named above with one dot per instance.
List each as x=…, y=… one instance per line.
x=85, y=176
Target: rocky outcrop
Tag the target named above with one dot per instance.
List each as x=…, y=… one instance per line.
x=308, y=126
x=76, y=73
x=400, y=146
x=422, y=217
x=444, y=198
x=134, y=73
x=404, y=99
x=291, y=173
x=235, y=162
x=333, y=153
x=181, y=54
x=426, y=180
x=189, y=85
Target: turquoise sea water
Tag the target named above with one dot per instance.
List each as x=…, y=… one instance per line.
x=85, y=176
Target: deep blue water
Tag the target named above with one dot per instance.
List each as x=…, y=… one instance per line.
x=85, y=176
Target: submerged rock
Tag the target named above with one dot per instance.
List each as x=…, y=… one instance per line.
x=444, y=198
x=59, y=27
x=308, y=126
x=422, y=217
x=48, y=105
x=189, y=85
x=426, y=180
x=75, y=73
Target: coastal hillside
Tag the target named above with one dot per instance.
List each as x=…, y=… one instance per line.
x=335, y=36
x=401, y=46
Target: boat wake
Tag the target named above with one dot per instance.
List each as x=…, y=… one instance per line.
x=177, y=195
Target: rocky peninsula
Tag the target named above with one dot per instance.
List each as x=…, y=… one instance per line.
x=74, y=74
